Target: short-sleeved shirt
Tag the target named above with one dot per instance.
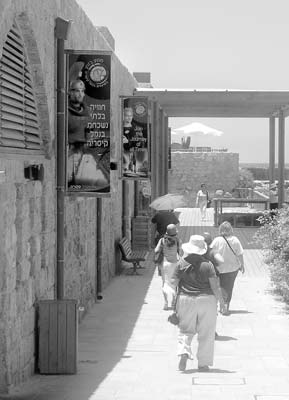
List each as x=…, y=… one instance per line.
x=163, y=219
x=194, y=272
x=170, y=252
x=230, y=263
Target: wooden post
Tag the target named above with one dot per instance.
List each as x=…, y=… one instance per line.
x=161, y=152
x=166, y=153
x=281, y=159
x=154, y=150
x=272, y=149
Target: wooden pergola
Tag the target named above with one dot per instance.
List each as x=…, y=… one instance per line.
x=211, y=103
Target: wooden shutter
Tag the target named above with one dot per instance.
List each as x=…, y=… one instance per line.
x=19, y=127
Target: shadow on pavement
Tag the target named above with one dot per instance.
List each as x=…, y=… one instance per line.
x=211, y=370
x=223, y=338
x=104, y=334
x=240, y=312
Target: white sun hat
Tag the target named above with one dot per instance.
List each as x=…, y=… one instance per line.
x=196, y=245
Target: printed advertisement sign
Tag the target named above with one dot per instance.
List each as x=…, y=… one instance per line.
x=135, y=138
x=88, y=121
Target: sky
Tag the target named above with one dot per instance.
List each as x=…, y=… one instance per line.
x=195, y=44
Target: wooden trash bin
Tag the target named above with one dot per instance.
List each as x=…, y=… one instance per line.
x=58, y=327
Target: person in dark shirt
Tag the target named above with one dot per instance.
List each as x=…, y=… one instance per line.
x=162, y=219
x=196, y=305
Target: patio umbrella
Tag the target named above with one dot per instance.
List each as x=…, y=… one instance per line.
x=168, y=202
x=197, y=127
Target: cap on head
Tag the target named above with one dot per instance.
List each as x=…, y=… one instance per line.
x=196, y=245
x=208, y=238
x=171, y=230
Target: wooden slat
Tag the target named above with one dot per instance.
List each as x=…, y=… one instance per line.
x=32, y=146
x=12, y=88
x=12, y=134
x=12, y=65
x=17, y=45
x=71, y=337
x=6, y=125
x=12, y=95
x=52, y=340
x=12, y=108
x=14, y=34
x=12, y=143
x=10, y=117
x=7, y=55
x=61, y=337
x=32, y=138
x=9, y=71
x=43, y=337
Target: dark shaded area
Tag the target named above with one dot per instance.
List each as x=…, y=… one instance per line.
x=223, y=338
x=211, y=370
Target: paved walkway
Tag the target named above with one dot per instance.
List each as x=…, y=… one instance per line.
x=127, y=349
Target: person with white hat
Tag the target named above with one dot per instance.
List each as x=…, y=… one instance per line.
x=196, y=305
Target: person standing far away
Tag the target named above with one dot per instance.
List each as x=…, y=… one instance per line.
x=273, y=197
x=170, y=247
x=162, y=219
x=196, y=304
x=232, y=251
x=202, y=200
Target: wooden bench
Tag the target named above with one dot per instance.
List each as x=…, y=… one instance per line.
x=130, y=256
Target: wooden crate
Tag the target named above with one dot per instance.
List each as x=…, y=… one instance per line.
x=141, y=233
x=58, y=327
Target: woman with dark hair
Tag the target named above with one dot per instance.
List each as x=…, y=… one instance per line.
x=170, y=247
x=230, y=248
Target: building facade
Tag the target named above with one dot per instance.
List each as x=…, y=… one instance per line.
x=28, y=186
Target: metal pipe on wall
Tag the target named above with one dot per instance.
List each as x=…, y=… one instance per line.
x=61, y=32
x=99, y=295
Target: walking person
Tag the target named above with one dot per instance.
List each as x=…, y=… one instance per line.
x=232, y=251
x=196, y=304
x=162, y=219
x=202, y=201
x=215, y=258
x=170, y=248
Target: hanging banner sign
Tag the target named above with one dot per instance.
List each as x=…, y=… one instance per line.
x=88, y=121
x=135, y=138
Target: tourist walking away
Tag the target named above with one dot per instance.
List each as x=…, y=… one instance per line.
x=202, y=201
x=215, y=258
x=196, y=303
x=230, y=248
x=162, y=219
x=273, y=197
x=169, y=248
x=211, y=254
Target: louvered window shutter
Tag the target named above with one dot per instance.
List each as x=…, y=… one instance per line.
x=19, y=126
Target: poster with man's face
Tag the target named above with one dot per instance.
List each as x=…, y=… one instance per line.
x=135, y=138
x=88, y=121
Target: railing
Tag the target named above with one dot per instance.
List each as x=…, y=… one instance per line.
x=240, y=212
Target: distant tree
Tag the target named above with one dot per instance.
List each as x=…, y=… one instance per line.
x=246, y=179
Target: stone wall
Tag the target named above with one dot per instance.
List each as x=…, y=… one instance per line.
x=28, y=208
x=189, y=170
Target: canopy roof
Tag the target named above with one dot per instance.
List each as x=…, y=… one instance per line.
x=219, y=102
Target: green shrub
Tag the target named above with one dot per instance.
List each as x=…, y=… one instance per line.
x=273, y=236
